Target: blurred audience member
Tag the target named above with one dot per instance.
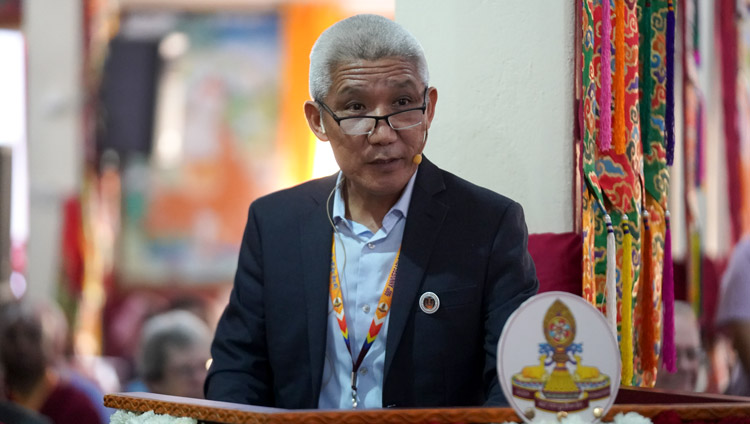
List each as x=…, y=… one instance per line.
x=721, y=359
x=27, y=353
x=174, y=354
x=66, y=363
x=689, y=361
x=16, y=414
x=733, y=315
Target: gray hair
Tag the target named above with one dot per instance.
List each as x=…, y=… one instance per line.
x=361, y=37
x=174, y=329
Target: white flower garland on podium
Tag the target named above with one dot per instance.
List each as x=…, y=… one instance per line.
x=629, y=418
x=126, y=417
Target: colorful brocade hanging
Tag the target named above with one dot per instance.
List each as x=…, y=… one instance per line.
x=656, y=24
x=628, y=186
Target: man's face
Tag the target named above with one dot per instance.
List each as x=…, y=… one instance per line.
x=379, y=164
x=688, y=347
x=184, y=372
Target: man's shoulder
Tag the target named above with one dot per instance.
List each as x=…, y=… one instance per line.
x=312, y=190
x=464, y=191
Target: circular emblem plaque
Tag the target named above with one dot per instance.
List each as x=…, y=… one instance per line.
x=576, y=360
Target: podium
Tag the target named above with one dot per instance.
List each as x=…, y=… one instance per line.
x=647, y=402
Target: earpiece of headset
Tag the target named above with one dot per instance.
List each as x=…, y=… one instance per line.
x=328, y=203
x=417, y=159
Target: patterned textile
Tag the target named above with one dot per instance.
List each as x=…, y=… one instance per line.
x=653, y=26
x=612, y=180
x=618, y=184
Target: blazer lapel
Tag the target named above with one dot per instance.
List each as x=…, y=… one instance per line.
x=423, y=221
x=315, y=242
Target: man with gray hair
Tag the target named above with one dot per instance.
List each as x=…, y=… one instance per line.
x=387, y=284
x=174, y=354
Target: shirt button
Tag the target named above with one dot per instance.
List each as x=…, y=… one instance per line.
x=366, y=309
x=371, y=245
x=363, y=371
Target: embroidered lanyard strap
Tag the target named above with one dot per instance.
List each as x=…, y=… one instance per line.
x=381, y=312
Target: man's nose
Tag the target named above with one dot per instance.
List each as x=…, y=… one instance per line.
x=382, y=133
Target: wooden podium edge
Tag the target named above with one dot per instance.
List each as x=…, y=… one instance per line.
x=224, y=413
x=228, y=413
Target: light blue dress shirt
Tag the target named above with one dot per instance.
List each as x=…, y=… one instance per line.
x=364, y=262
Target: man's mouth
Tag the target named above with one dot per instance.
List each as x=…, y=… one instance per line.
x=383, y=161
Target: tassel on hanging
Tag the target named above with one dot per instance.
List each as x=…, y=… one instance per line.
x=699, y=168
x=669, y=115
x=694, y=291
x=619, y=131
x=626, y=323
x=605, y=93
x=669, y=353
x=611, y=275
x=646, y=332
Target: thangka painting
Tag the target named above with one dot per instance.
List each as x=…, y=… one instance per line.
x=215, y=150
x=624, y=171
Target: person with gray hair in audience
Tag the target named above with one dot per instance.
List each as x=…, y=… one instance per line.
x=733, y=315
x=690, y=374
x=174, y=354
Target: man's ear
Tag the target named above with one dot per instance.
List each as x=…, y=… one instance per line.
x=315, y=120
x=432, y=97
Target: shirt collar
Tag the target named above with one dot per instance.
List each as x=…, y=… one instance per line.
x=399, y=209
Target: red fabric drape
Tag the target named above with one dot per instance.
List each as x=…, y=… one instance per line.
x=726, y=27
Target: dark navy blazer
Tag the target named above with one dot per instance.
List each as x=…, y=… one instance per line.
x=465, y=243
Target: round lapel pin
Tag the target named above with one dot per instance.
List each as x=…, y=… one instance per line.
x=429, y=302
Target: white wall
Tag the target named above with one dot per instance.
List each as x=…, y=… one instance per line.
x=54, y=42
x=505, y=78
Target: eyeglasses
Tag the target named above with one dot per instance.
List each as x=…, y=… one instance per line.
x=365, y=124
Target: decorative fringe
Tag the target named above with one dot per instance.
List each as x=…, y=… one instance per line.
x=646, y=332
x=626, y=323
x=669, y=115
x=605, y=93
x=699, y=168
x=619, y=131
x=611, y=275
x=694, y=292
x=669, y=354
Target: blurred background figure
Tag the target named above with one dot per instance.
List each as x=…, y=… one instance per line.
x=691, y=369
x=733, y=315
x=80, y=373
x=32, y=378
x=13, y=413
x=174, y=354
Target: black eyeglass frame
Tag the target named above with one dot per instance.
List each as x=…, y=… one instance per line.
x=387, y=117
